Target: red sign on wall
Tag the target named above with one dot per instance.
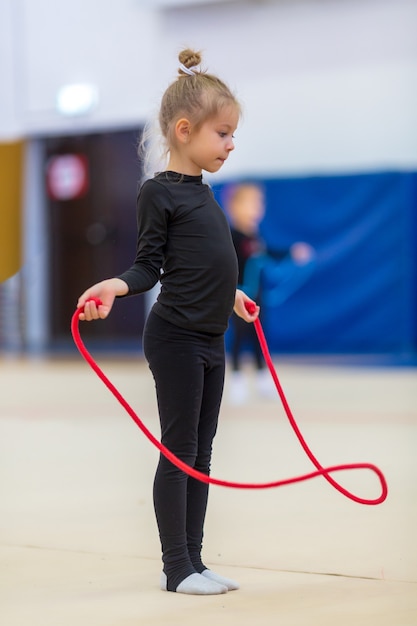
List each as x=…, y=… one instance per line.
x=67, y=176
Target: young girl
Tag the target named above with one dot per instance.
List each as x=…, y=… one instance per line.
x=184, y=242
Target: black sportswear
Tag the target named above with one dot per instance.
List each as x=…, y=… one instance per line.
x=184, y=241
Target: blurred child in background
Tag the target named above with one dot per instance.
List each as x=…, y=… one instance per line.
x=245, y=206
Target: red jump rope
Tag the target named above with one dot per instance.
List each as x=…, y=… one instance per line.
x=320, y=470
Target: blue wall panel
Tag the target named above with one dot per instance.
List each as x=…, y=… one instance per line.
x=359, y=295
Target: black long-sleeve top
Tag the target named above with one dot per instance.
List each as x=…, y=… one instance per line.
x=184, y=241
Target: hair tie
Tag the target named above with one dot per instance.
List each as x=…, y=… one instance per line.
x=188, y=70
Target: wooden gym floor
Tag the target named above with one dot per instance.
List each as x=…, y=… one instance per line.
x=78, y=540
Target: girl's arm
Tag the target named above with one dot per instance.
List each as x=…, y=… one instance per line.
x=106, y=291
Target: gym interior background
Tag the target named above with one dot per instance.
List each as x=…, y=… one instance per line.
x=329, y=93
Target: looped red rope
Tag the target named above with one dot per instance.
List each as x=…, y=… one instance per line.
x=320, y=470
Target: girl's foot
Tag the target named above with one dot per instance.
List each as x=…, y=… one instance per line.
x=230, y=584
x=197, y=585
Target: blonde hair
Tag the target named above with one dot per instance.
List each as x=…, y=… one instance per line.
x=196, y=95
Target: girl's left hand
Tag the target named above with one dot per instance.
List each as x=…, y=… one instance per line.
x=240, y=309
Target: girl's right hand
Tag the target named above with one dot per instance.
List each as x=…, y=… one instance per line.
x=105, y=291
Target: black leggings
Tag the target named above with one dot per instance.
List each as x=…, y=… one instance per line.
x=244, y=336
x=188, y=369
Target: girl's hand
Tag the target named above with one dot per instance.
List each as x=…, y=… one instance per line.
x=106, y=292
x=240, y=309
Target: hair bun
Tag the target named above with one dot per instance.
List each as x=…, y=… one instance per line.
x=188, y=58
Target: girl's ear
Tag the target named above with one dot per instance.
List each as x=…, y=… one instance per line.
x=183, y=130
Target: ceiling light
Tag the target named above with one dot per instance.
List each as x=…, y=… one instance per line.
x=77, y=99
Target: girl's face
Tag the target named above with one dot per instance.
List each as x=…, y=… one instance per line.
x=209, y=146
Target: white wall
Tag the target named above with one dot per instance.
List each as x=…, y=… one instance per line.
x=103, y=42
x=10, y=125
x=327, y=85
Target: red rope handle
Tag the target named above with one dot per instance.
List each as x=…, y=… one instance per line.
x=320, y=471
